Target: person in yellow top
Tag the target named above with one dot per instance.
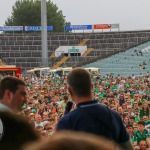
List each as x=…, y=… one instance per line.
x=62, y=104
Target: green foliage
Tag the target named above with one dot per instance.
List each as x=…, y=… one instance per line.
x=28, y=13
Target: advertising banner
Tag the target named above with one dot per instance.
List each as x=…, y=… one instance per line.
x=102, y=26
x=37, y=28
x=70, y=49
x=114, y=26
x=78, y=27
x=8, y=66
x=11, y=28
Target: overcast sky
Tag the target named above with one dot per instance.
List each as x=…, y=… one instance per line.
x=130, y=14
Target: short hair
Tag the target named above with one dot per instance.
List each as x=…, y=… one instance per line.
x=65, y=97
x=129, y=125
x=132, y=117
x=140, y=103
x=10, y=83
x=79, y=81
x=69, y=140
x=141, y=123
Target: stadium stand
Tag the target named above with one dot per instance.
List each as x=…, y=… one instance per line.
x=24, y=50
x=133, y=61
x=106, y=44
x=83, y=42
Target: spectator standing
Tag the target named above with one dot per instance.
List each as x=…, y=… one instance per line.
x=63, y=103
x=89, y=114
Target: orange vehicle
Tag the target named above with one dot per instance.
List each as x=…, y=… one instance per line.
x=10, y=70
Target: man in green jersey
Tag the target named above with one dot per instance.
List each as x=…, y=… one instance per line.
x=141, y=134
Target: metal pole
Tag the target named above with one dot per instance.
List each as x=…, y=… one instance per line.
x=44, y=33
x=64, y=23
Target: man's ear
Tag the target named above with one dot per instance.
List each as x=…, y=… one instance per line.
x=70, y=91
x=8, y=95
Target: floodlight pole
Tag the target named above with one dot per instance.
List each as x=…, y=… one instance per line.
x=44, y=33
x=64, y=23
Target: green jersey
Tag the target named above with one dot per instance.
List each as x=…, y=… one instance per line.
x=137, y=119
x=142, y=113
x=132, y=139
x=138, y=136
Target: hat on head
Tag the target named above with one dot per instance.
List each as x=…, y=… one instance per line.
x=147, y=124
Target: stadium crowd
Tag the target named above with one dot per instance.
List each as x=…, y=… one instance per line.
x=129, y=96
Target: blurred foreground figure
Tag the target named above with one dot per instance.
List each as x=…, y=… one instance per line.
x=15, y=132
x=66, y=140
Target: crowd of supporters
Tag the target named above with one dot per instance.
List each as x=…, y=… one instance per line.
x=129, y=96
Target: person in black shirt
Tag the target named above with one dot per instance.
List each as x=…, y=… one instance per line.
x=90, y=116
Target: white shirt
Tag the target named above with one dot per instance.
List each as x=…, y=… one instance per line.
x=4, y=108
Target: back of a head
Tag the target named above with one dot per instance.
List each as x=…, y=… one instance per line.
x=16, y=131
x=67, y=140
x=65, y=97
x=79, y=80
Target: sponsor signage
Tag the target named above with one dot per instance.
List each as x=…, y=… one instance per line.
x=73, y=50
x=114, y=25
x=102, y=26
x=37, y=28
x=70, y=49
x=78, y=27
x=11, y=28
x=8, y=66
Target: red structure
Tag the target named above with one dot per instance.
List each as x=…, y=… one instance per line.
x=10, y=70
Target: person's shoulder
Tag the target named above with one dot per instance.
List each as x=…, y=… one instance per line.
x=146, y=131
x=65, y=121
x=115, y=113
x=108, y=111
x=137, y=131
x=69, y=115
x=59, y=103
x=103, y=108
x=4, y=108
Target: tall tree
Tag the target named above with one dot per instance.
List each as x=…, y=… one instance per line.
x=28, y=13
